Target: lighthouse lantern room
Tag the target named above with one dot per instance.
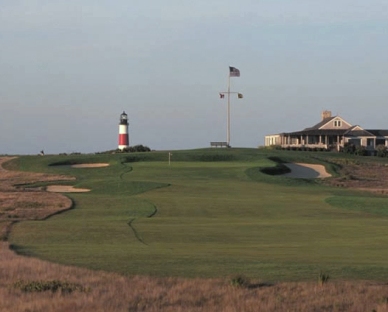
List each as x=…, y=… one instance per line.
x=123, y=131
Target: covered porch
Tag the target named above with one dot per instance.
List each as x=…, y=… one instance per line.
x=313, y=139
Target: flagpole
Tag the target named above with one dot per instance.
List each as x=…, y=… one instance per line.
x=233, y=72
x=228, y=118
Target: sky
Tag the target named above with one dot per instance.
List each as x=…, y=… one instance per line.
x=69, y=68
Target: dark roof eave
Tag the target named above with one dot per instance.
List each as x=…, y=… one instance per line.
x=318, y=132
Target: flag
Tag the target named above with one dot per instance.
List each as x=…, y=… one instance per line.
x=222, y=96
x=234, y=72
x=239, y=95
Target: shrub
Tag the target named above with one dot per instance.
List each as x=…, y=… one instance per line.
x=53, y=286
x=381, y=150
x=136, y=148
x=349, y=148
x=361, y=151
x=239, y=281
x=323, y=278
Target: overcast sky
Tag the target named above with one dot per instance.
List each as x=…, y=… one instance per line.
x=68, y=69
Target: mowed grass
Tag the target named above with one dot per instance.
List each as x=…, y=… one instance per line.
x=211, y=213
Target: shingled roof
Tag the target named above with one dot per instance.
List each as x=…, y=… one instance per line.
x=358, y=133
x=310, y=131
x=320, y=124
x=378, y=132
x=352, y=131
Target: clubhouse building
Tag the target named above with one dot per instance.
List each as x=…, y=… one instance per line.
x=331, y=133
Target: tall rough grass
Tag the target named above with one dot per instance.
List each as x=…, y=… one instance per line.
x=112, y=292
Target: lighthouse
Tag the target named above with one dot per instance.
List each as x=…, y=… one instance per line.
x=123, y=131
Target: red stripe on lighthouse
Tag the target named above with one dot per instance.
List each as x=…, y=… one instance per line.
x=123, y=139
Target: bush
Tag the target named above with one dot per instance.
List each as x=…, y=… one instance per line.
x=239, y=281
x=136, y=148
x=349, y=148
x=361, y=151
x=53, y=286
x=323, y=278
x=381, y=150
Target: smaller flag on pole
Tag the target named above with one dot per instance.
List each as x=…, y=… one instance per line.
x=222, y=95
x=239, y=95
x=234, y=72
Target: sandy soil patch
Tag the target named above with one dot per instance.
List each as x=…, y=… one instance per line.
x=65, y=189
x=97, y=165
x=307, y=171
x=18, y=203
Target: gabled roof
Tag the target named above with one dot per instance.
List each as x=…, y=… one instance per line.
x=327, y=120
x=321, y=128
x=356, y=127
x=320, y=124
x=357, y=131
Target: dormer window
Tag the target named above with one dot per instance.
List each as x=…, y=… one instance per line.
x=337, y=123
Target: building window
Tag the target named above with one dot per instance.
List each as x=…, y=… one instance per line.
x=337, y=123
x=369, y=142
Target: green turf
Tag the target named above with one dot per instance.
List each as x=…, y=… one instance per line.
x=211, y=213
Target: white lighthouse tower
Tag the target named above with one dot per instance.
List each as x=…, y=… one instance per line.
x=123, y=131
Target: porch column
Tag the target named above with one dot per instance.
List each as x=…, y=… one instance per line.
x=338, y=143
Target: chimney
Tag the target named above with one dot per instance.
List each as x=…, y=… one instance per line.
x=326, y=114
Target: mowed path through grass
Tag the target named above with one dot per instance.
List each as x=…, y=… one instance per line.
x=207, y=219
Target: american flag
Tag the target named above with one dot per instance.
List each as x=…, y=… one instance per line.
x=234, y=72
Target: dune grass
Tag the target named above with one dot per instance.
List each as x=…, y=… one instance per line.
x=211, y=213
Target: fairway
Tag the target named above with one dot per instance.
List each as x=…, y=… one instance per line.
x=211, y=213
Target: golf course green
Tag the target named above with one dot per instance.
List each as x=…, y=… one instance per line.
x=209, y=213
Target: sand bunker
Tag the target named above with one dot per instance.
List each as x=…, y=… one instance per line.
x=65, y=189
x=307, y=171
x=97, y=165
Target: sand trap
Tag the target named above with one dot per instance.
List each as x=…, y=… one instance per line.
x=307, y=171
x=97, y=165
x=65, y=189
